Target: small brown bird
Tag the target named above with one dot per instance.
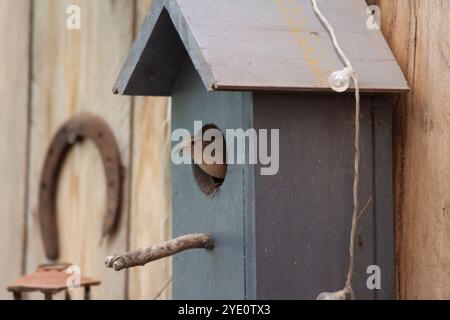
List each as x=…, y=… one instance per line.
x=213, y=161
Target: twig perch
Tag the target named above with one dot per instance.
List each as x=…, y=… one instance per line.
x=143, y=256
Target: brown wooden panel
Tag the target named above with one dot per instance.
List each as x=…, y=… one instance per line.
x=14, y=85
x=417, y=32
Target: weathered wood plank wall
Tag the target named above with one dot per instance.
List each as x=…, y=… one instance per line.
x=14, y=25
x=418, y=33
x=151, y=187
x=73, y=71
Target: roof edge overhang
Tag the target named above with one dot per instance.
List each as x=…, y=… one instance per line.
x=166, y=40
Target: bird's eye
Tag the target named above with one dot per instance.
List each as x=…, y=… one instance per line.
x=192, y=142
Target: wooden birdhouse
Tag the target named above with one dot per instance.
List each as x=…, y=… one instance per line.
x=264, y=65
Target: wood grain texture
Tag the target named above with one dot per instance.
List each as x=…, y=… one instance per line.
x=417, y=32
x=283, y=47
x=151, y=200
x=14, y=66
x=151, y=194
x=72, y=72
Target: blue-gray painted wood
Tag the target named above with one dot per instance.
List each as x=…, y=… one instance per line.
x=384, y=190
x=285, y=236
x=155, y=59
x=249, y=211
x=220, y=273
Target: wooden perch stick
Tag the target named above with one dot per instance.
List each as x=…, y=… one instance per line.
x=141, y=257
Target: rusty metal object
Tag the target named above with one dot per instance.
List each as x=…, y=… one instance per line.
x=50, y=280
x=83, y=126
x=143, y=256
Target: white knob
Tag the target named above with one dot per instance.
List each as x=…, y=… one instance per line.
x=339, y=80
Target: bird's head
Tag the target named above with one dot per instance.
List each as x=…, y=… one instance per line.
x=213, y=164
x=194, y=146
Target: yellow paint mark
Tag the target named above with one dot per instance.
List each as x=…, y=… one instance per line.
x=291, y=11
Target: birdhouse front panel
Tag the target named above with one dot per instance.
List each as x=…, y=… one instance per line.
x=218, y=273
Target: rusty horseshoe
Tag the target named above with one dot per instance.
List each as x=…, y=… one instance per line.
x=80, y=127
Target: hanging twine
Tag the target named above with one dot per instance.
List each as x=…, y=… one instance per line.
x=341, y=295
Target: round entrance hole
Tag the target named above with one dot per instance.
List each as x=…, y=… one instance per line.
x=210, y=173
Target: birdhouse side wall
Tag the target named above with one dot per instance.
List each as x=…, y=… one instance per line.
x=303, y=214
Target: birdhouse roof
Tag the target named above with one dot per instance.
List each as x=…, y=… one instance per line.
x=257, y=45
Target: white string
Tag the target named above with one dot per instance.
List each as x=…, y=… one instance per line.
x=348, y=284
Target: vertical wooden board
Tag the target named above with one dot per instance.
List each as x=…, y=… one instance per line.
x=14, y=65
x=151, y=195
x=73, y=71
x=398, y=23
x=150, y=221
x=143, y=8
x=417, y=31
x=216, y=274
x=383, y=195
x=150, y=215
x=303, y=214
